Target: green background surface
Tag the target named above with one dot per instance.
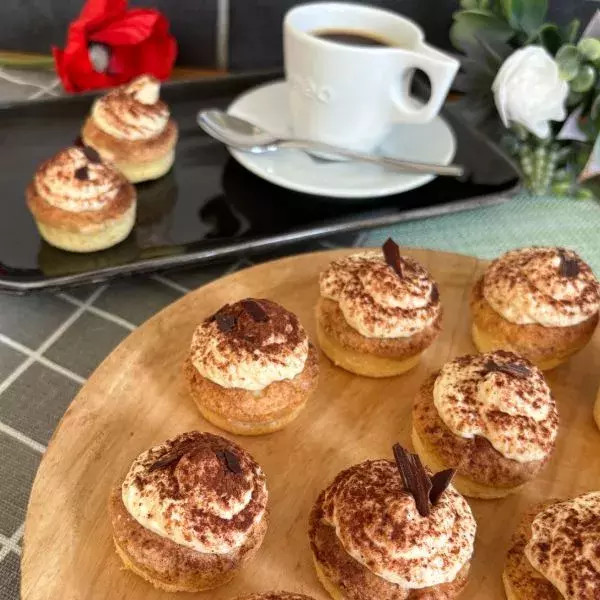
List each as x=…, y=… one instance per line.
x=522, y=221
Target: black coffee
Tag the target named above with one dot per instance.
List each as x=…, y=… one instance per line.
x=352, y=38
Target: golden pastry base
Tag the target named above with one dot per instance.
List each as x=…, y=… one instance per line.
x=359, y=363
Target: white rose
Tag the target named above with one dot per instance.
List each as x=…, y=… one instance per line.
x=529, y=91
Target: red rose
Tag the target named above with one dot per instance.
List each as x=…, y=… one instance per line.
x=124, y=44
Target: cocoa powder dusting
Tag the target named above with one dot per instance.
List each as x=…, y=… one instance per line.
x=268, y=327
x=198, y=468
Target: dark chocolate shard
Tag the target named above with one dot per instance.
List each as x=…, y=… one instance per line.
x=415, y=478
x=176, y=453
x=78, y=142
x=230, y=460
x=569, y=266
x=513, y=369
x=82, y=173
x=168, y=459
x=225, y=323
x=439, y=483
x=255, y=310
x=391, y=252
x=435, y=293
x=91, y=154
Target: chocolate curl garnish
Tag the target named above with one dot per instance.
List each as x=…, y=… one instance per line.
x=391, y=252
x=91, y=154
x=513, y=369
x=439, y=483
x=82, y=173
x=569, y=267
x=166, y=460
x=435, y=293
x=230, y=460
x=415, y=478
x=173, y=456
x=225, y=323
x=255, y=310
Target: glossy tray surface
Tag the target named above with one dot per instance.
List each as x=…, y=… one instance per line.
x=208, y=206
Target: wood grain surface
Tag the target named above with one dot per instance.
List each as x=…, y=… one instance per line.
x=138, y=397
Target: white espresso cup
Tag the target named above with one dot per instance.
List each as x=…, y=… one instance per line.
x=351, y=95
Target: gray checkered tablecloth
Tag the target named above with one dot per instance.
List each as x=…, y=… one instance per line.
x=49, y=346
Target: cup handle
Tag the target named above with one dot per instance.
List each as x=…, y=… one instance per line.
x=441, y=70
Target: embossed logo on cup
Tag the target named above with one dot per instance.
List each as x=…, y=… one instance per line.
x=311, y=89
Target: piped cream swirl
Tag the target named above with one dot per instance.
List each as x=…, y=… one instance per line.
x=132, y=112
x=196, y=500
x=71, y=182
x=376, y=301
x=526, y=286
x=378, y=525
x=517, y=415
x=565, y=546
x=252, y=354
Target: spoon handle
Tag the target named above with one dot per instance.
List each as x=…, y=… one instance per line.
x=401, y=165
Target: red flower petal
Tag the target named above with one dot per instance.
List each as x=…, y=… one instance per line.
x=77, y=74
x=133, y=28
x=158, y=57
x=61, y=71
x=102, y=10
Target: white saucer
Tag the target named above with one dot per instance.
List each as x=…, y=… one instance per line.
x=267, y=107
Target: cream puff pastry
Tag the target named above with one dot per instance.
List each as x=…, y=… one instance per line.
x=190, y=513
x=388, y=531
x=492, y=417
x=251, y=367
x=81, y=203
x=542, y=303
x=554, y=554
x=377, y=312
x=132, y=127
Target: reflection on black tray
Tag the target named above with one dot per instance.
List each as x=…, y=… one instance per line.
x=208, y=206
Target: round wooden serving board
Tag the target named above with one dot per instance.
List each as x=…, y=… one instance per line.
x=138, y=398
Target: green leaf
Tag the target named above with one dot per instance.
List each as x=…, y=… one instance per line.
x=590, y=48
x=550, y=38
x=585, y=193
x=509, y=12
x=469, y=24
x=469, y=4
x=595, y=109
x=573, y=99
x=584, y=80
x=588, y=128
x=534, y=15
x=571, y=30
x=527, y=15
x=568, y=61
x=562, y=188
x=592, y=186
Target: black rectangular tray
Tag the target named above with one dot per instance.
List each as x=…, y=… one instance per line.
x=208, y=207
